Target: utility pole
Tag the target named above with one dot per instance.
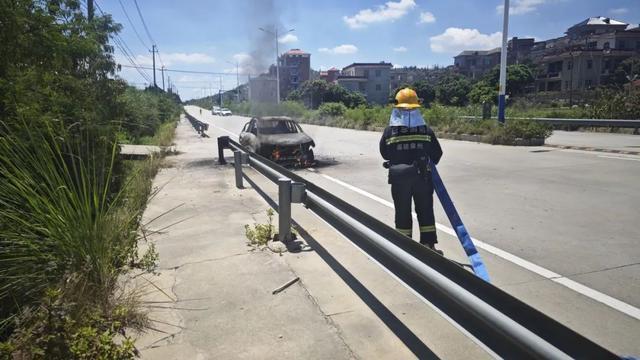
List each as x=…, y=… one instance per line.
x=169, y=83
x=90, y=10
x=237, y=64
x=503, y=63
x=162, y=70
x=153, y=51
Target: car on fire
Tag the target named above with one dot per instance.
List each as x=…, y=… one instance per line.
x=280, y=139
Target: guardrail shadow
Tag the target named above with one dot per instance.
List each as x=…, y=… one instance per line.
x=404, y=334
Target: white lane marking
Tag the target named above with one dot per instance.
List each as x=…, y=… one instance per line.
x=546, y=273
x=418, y=295
x=618, y=157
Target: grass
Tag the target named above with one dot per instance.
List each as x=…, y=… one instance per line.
x=444, y=119
x=163, y=136
x=70, y=228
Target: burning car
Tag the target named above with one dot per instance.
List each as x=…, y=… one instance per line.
x=278, y=138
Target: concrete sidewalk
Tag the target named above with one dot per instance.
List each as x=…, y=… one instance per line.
x=594, y=141
x=213, y=297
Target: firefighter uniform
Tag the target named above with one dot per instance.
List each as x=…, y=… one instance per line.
x=408, y=144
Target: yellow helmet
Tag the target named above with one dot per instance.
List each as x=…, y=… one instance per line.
x=407, y=99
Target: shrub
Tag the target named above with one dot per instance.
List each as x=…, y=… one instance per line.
x=526, y=129
x=332, y=109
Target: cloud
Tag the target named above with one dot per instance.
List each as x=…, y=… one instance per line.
x=390, y=11
x=288, y=39
x=454, y=40
x=340, y=49
x=519, y=7
x=426, y=18
x=618, y=11
x=176, y=58
x=400, y=49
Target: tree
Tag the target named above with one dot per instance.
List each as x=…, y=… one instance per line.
x=627, y=71
x=519, y=78
x=425, y=91
x=482, y=92
x=453, y=89
x=316, y=92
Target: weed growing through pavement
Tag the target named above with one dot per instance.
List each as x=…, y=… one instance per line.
x=260, y=234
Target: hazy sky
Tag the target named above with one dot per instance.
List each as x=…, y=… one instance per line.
x=209, y=35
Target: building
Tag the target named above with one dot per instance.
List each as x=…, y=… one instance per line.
x=399, y=77
x=330, y=75
x=262, y=89
x=587, y=56
x=519, y=50
x=584, y=58
x=295, y=67
x=475, y=63
x=370, y=79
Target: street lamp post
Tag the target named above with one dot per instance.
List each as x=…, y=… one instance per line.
x=275, y=34
x=503, y=63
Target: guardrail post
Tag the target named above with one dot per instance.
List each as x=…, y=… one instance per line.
x=237, y=164
x=223, y=142
x=284, y=209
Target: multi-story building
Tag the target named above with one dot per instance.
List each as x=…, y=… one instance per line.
x=587, y=56
x=519, y=50
x=295, y=66
x=330, y=75
x=582, y=59
x=475, y=63
x=370, y=79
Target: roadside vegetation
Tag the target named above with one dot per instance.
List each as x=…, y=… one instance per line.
x=450, y=99
x=70, y=213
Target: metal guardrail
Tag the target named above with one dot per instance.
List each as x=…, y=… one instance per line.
x=506, y=325
x=634, y=124
x=198, y=125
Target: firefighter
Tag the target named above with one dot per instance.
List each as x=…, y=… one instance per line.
x=408, y=145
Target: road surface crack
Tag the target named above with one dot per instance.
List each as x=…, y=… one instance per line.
x=203, y=261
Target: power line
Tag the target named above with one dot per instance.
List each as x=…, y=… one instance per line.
x=126, y=51
x=144, y=23
x=132, y=26
x=195, y=72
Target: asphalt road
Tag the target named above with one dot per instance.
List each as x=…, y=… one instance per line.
x=558, y=227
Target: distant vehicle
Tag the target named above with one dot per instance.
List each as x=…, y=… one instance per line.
x=280, y=139
x=215, y=110
x=225, y=112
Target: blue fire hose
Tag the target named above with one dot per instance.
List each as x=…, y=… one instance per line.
x=456, y=222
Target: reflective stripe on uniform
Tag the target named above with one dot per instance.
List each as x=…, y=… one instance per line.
x=406, y=232
x=430, y=228
x=405, y=138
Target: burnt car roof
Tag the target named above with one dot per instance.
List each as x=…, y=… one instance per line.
x=273, y=118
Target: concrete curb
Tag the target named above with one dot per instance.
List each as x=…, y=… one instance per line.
x=586, y=148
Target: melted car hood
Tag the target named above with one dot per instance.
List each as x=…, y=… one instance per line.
x=284, y=139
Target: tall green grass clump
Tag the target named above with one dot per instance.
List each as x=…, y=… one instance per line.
x=66, y=235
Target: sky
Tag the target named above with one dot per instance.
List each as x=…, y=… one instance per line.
x=223, y=35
